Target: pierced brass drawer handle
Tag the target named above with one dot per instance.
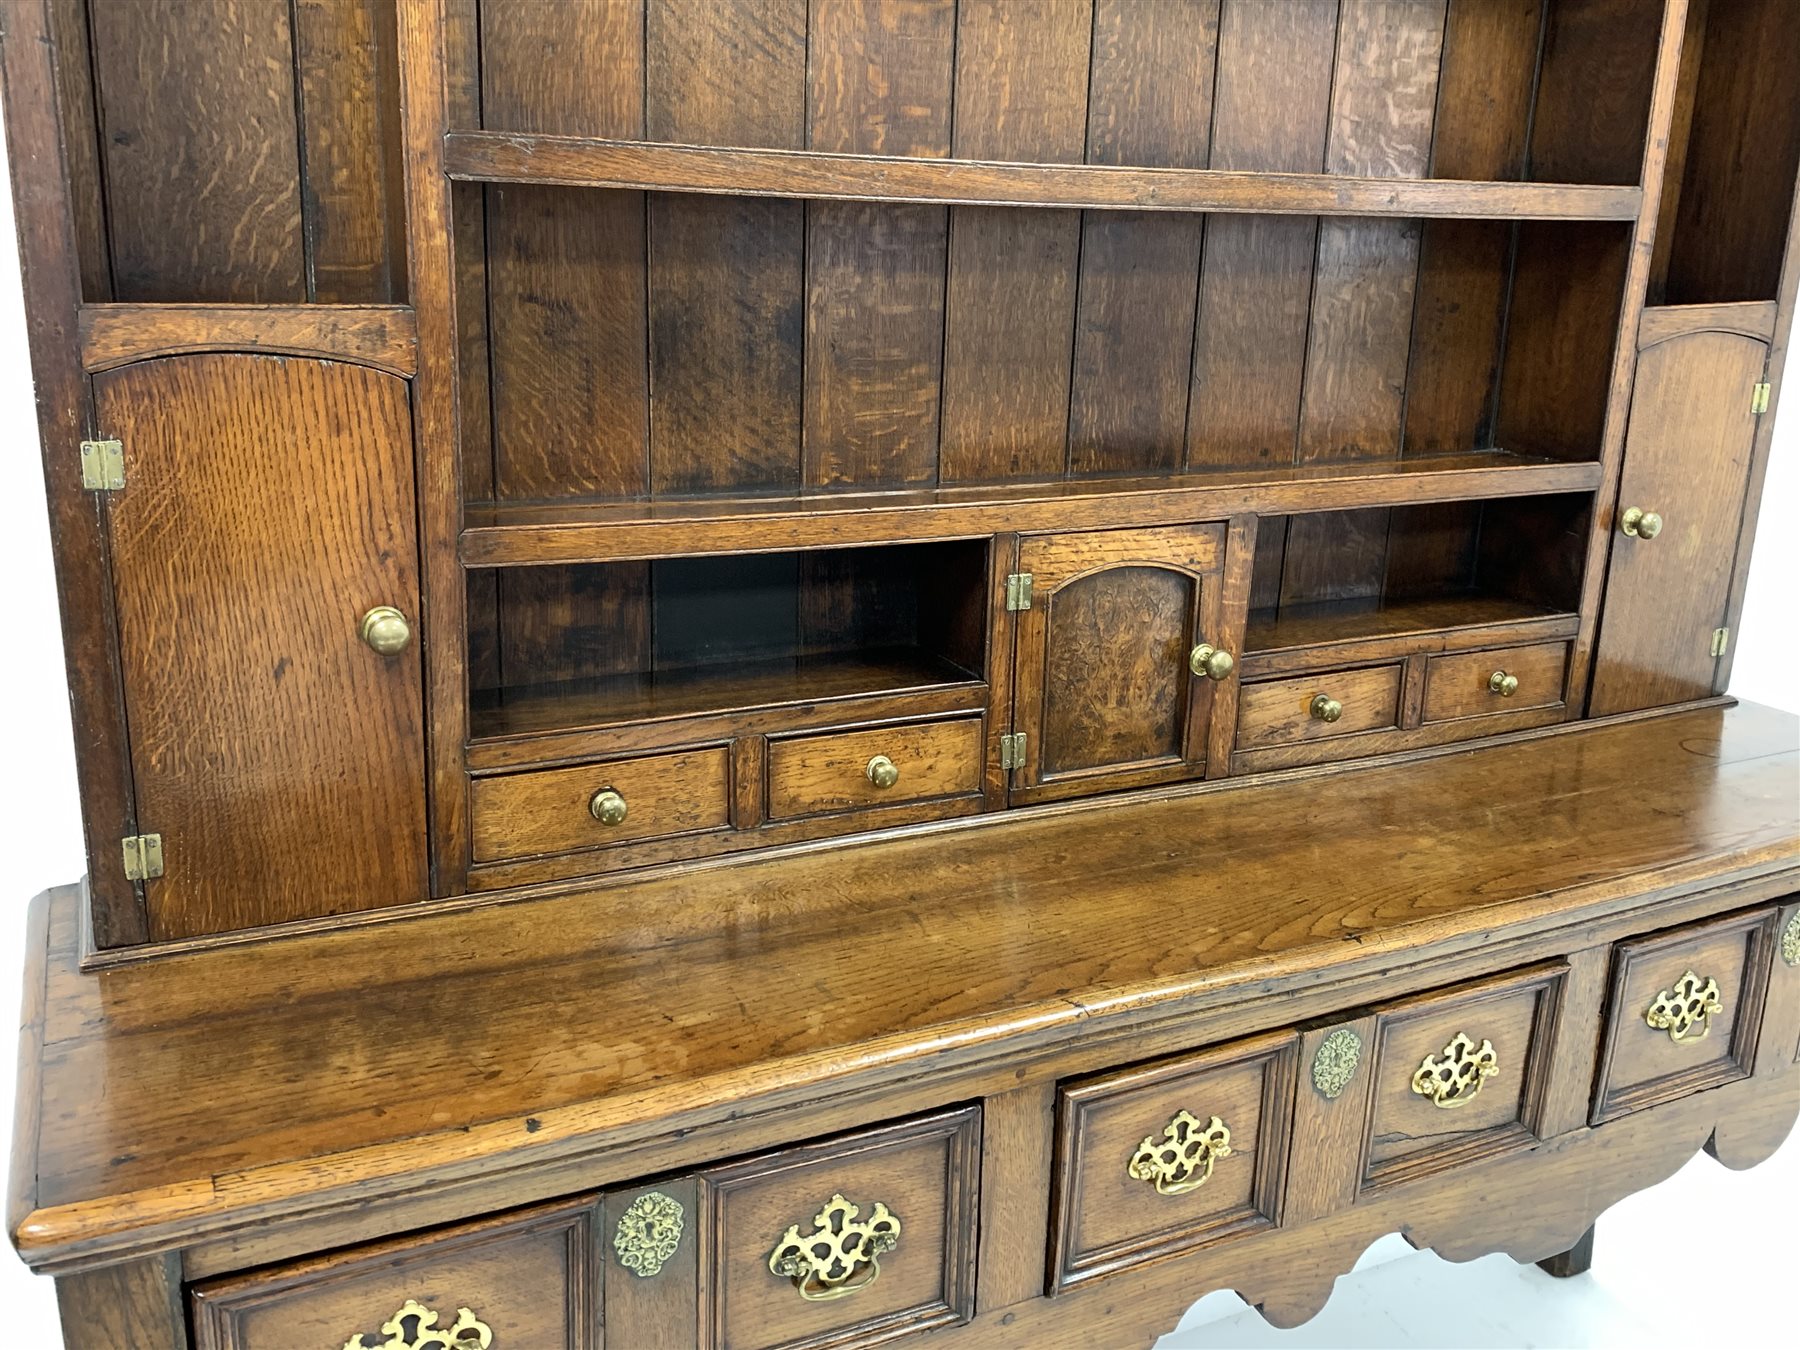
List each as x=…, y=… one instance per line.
x=841, y=1256
x=1325, y=708
x=1693, y=1002
x=608, y=807
x=1503, y=684
x=1455, y=1078
x=1209, y=661
x=415, y=1327
x=1182, y=1160
x=1640, y=524
x=882, y=772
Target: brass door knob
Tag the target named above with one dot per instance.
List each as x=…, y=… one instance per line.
x=882, y=772
x=608, y=807
x=1503, y=684
x=1325, y=708
x=1641, y=524
x=386, y=630
x=1209, y=661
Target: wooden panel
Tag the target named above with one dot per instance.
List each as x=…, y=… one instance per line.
x=1330, y=1120
x=1279, y=712
x=75, y=121
x=1593, y=101
x=925, y=1172
x=1148, y=104
x=529, y=1278
x=818, y=774
x=238, y=634
x=137, y=1303
x=650, y=1307
x=379, y=336
x=1457, y=686
x=1108, y=1220
x=1643, y=1065
x=1021, y=71
x=573, y=623
x=548, y=812
x=1687, y=457
x=727, y=276
x=201, y=149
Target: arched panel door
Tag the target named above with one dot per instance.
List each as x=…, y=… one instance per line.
x=1106, y=694
x=268, y=506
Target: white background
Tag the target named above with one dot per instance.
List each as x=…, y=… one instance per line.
x=1709, y=1259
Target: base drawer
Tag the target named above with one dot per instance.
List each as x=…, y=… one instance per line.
x=523, y=1278
x=1178, y=1154
x=1683, y=1012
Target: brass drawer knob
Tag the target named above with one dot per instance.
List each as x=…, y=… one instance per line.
x=1325, y=708
x=1641, y=524
x=1209, y=661
x=1455, y=1078
x=415, y=1327
x=386, y=630
x=1503, y=684
x=1693, y=1002
x=841, y=1255
x=882, y=772
x=608, y=807
x=1182, y=1160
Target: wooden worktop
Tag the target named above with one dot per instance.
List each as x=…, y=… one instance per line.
x=182, y=1096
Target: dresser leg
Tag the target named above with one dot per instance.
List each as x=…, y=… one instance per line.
x=1575, y=1261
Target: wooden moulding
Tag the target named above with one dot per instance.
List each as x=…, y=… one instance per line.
x=574, y=161
x=1752, y=319
x=372, y=335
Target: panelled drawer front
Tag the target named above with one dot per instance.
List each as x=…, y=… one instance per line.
x=524, y=814
x=1684, y=1011
x=1460, y=1074
x=1170, y=1156
x=902, y=1203
x=1463, y=684
x=1313, y=707
x=815, y=775
x=525, y=1277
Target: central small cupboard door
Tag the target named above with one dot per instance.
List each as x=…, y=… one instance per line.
x=1111, y=657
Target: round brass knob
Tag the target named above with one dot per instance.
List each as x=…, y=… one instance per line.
x=1325, y=708
x=1209, y=661
x=1503, y=684
x=1641, y=524
x=608, y=807
x=386, y=630
x=883, y=772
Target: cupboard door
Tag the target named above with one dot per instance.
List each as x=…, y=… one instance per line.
x=1105, y=695
x=267, y=507
x=1687, y=460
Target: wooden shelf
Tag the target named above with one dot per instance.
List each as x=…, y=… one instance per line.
x=499, y=534
x=1336, y=621
x=510, y=157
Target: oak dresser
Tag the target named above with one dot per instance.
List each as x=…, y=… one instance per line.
x=804, y=673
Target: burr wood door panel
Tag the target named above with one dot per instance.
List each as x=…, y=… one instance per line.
x=267, y=506
x=1687, y=461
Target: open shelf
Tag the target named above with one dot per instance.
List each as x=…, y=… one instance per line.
x=1327, y=621
x=577, y=161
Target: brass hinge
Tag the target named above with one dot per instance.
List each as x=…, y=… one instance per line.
x=1018, y=591
x=1721, y=640
x=1759, y=400
x=143, y=857
x=102, y=466
x=1012, y=751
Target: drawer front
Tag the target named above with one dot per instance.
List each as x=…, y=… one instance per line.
x=1179, y=1154
x=1460, y=1074
x=1684, y=1011
x=815, y=775
x=1313, y=707
x=524, y=814
x=1473, y=684
x=524, y=1278
x=849, y=1241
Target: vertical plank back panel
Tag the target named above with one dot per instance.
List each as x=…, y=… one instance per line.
x=1593, y=103
x=1021, y=72
x=78, y=107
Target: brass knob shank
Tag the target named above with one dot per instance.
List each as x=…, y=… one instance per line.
x=1503, y=684
x=386, y=630
x=1325, y=708
x=1209, y=661
x=608, y=807
x=882, y=772
x=1640, y=524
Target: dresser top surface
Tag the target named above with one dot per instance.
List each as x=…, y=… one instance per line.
x=174, y=1092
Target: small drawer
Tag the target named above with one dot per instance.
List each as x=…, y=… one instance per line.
x=559, y=810
x=523, y=1277
x=1313, y=707
x=1460, y=1074
x=851, y=1240
x=1178, y=1154
x=1507, y=679
x=851, y=770
x=1684, y=1011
